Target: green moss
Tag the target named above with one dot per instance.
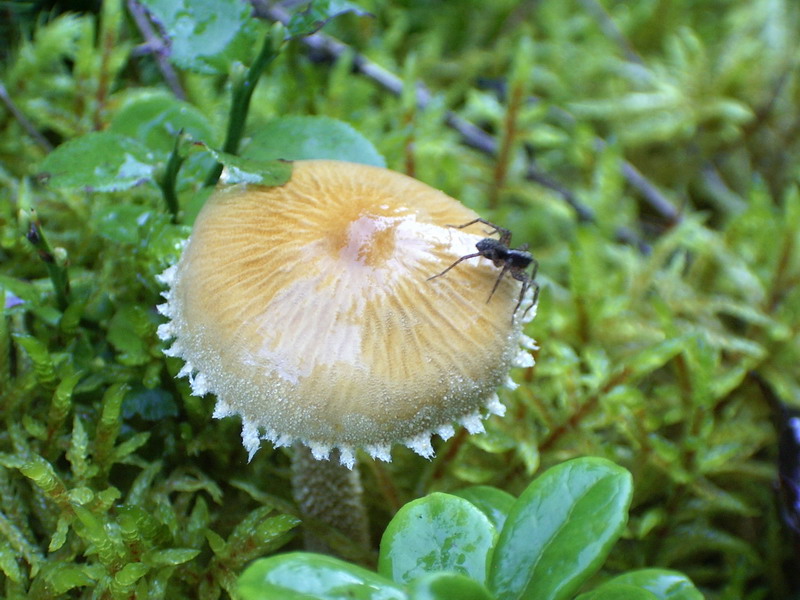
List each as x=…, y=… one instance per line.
x=669, y=312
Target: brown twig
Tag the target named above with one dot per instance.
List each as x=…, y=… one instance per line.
x=155, y=46
x=651, y=193
x=472, y=135
x=23, y=120
x=515, y=100
x=610, y=29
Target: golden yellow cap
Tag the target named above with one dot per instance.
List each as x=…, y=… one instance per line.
x=306, y=309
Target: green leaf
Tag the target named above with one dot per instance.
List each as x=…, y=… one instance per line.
x=156, y=118
x=42, y=473
x=205, y=36
x=129, y=446
x=9, y=564
x=257, y=535
x=109, y=424
x=99, y=161
x=447, y=586
x=78, y=452
x=60, y=534
x=62, y=401
x=137, y=525
x=130, y=574
x=248, y=170
x=303, y=576
x=492, y=502
x=42, y=362
x=439, y=532
x=217, y=543
x=652, y=358
x=662, y=583
x=297, y=138
x=64, y=577
x=560, y=530
x=120, y=223
x=618, y=591
x=170, y=557
x=317, y=14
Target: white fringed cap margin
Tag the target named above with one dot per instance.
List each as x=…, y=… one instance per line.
x=305, y=308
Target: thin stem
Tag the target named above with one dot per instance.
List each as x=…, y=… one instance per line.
x=109, y=30
x=23, y=120
x=5, y=349
x=329, y=493
x=157, y=47
x=57, y=272
x=507, y=143
x=610, y=29
x=240, y=104
x=409, y=116
x=168, y=183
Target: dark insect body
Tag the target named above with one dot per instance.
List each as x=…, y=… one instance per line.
x=513, y=261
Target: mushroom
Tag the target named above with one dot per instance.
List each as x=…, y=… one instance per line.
x=308, y=311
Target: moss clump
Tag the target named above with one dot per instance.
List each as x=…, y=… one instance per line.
x=646, y=151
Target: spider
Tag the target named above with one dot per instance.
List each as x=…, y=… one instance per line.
x=514, y=261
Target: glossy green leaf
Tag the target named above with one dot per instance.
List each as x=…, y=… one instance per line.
x=205, y=35
x=317, y=14
x=170, y=557
x=239, y=169
x=618, y=591
x=78, y=451
x=663, y=583
x=560, y=530
x=130, y=445
x=439, y=532
x=256, y=535
x=60, y=534
x=130, y=574
x=447, y=586
x=101, y=161
x=296, y=138
x=155, y=119
x=303, y=576
x=63, y=577
x=120, y=222
x=492, y=502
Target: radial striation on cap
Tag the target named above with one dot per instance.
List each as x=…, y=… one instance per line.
x=306, y=310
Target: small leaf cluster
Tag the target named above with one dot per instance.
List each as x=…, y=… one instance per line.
x=484, y=544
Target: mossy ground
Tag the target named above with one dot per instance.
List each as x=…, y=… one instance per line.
x=648, y=153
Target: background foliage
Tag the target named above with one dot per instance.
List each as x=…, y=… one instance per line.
x=647, y=150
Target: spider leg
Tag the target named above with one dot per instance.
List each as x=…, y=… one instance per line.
x=505, y=234
x=535, y=264
x=453, y=265
x=525, y=285
x=497, y=282
x=528, y=282
x=535, y=287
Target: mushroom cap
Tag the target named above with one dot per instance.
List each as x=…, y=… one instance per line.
x=306, y=308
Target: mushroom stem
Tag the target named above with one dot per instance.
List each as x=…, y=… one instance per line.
x=328, y=493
